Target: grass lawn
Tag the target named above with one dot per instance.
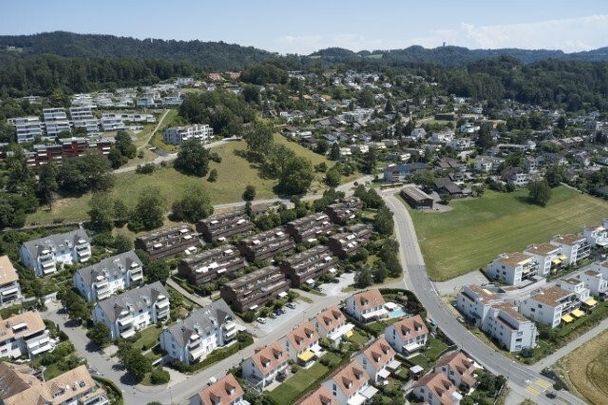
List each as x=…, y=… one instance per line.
x=586, y=369
x=289, y=391
x=434, y=348
x=475, y=231
x=148, y=339
x=358, y=338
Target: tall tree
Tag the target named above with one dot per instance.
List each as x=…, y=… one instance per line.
x=297, y=176
x=192, y=158
x=47, y=183
x=539, y=192
x=101, y=212
x=149, y=212
x=194, y=205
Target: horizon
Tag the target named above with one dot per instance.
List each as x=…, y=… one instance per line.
x=304, y=29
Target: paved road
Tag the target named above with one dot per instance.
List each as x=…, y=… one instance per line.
x=525, y=381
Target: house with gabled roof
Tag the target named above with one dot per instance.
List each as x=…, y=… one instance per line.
x=265, y=365
x=302, y=343
x=407, y=335
x=225, y=391
x=436, y=388
x=459, y=368
x=350, y=384
x=366, y=306
x=332, y=324
x=378, y=359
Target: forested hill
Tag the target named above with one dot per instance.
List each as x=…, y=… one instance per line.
x=208, y=55
x=454, y=55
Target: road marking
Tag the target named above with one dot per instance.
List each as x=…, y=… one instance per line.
x=532, y=390
x=543, y=383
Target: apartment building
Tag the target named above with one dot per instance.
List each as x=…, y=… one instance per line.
x=347, y=243
x=24, y=334
x=203, y=331
x=211, y=264
x=10, y=289
x=378, y=360
x=223, y=227
x=416, y=198
x=225, y=391
x=112, y=123
x=306, y=267
x=20, y=386
x=574, y=247
x=596, y=236
x=67, y=147
x=595, y=282
x=266, y=245
x=513, y=268
x=549, y=257
x=475, y=302
x=177, y=135
x=55, y=121
x=366, y=306
x=265, y=365
x=45, y=254
x=345, y=210
x=550, y=306
x=509, y=328
x=133, y=310
x=131, y=117
x=459, y=368
x=82, y=117
x=302, y=343
x=169, y=242
x=252, y=290
x=350, y=385
x=104, y=279
x=28, y=129
x=332, y=324
x=310, y=227
x=436, y=388
x=407, y=335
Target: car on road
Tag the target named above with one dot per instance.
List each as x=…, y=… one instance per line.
x=273, y=315
x=279, y=311
x=290, y=305
x=261, y=320
x=551, y=395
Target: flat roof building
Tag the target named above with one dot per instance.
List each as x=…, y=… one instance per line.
x=223, y=227
x=307, y=266
x=169, y=242
x=310, y=227
x=350, y=241
x=252, y=290
x=211, y=264
x=266, y=245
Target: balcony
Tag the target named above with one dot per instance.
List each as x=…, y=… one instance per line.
x=198, y=353
x=126, y=320
x=137, y=276
x=127, y=333
x=103, y=294
x=37, y=346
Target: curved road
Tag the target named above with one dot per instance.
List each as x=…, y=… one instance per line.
x=523, y=380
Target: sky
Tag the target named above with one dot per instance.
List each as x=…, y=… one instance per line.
x=304, y=26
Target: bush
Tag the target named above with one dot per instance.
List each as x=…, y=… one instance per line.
x=159, y=376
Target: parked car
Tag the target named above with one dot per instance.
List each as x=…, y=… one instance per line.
x=261, y=320
x=290, y=305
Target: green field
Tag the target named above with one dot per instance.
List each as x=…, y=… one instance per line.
x=476, y=230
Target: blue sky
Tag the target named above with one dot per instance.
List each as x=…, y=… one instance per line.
x=306, y=25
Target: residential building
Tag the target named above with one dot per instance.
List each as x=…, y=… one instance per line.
x=112, y=123
x=266, y=245
x=345, y=210
x=19, y=386
x=10, y=289
x=332, y=324
x=131, y=117
x=252, y=290
x=55, y=121
x=302, y=343
x=265, y=365
x=513, y=268
x=510, y=329
x=459, y=368
x=595, y=281
x=320, y=396
x=169, y=242
x=574, y=247
x=416, y=197
x=394, y=173
x=307, y=266
x=378, y=360
x=133, y=310
x=549, y=257
x=366, y=306
x=211, y=264
x=67, y=147
x=204, y=330
x=225, y=391
x=177, y=135
x=407, y=335
x=44, y=254
x=596, y=236
x=475, y=302
x=350, y=385
x=24, y=334
x=486, y=164
x=349, y=242
x=310, y=227
x=223, y=227
x=575, y=286
x=104, y=279
x=28, y=129
x=82, y=117
x=436, y=388
x=550, y=306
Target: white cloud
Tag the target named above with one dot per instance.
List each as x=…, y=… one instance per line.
x=569, y=35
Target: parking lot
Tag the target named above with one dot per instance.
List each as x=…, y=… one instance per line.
x=335, y=289
x=272, y=325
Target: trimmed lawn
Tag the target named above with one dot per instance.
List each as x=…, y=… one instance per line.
x=434, y=348
x=290, y=390
x=148, y=339
x=470, y=235
x=358, y=338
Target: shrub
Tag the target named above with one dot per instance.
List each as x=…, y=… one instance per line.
x=159, y=376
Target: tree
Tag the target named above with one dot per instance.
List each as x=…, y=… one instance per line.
x=554, y=175
x=121, y=212
x=259, y=138
x=99, y=334
x=125, y=145
x=157, y=271
x=249, y=193
x=322, y=147
x=539, y=192
x=251, y=94
x=363, y=278
x=149, y=212
x=77, y=307
x=297, y=176
x=379, y=273
x=90, y=172
x=116, y=158
x=383, y=223
x=366, y=98
x=134, y=361
x=212, y=176
x=47, y=183
x=192, y=158
x=332, y=177
x=370, y=160
x=101, y=212
x=334, y=152
x=122, y=243
x=194, y=205
x=159, y=376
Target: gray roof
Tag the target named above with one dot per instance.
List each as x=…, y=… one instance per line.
x=113, y=266
x=201, y=321
x=133, y=298
x=36, y=246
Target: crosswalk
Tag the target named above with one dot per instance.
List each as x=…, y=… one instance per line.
x=538, y=387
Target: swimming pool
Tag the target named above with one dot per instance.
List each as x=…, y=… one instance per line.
x=397, y=313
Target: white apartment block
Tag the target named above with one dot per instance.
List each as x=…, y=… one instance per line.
x=27, y=128
x=55, y=121
x=134, y=310
x=24, y=335
x=44, y=254
x=510, y=329
x=10, y=289
x=574, y=247
x=549, y=306
x=112, y=124
x=547, y=256
x=177, y=135
x=82, y=117
x=596, y=235
x=203, y=331
x=131, y=117
x=475, y=302
x=576, y=286
x=513, y=268
x=146, y=101
x=106, y=278
x=595, y=281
